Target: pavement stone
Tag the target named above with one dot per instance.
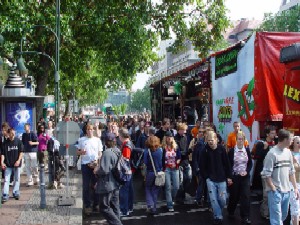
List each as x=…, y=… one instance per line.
x=27, y=209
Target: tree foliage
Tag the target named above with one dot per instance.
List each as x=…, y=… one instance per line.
x=116, y=38
x=285, y=21
x=141, y=99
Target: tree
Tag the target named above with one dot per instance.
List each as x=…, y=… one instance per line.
x=285, y=21
x=116, y=37
x=140, y=99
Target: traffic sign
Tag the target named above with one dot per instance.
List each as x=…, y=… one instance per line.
x=67, y=133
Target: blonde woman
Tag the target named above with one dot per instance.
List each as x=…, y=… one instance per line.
x=294, y=202
x=171, y=160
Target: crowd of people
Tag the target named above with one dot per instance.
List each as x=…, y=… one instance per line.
x=224, y=171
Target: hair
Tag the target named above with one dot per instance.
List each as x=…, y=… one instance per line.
x=283, y=134
x=165, y=121
x=5, y=125
x=123, y=132
x=153, y=143
x=10, y=130
x=26, y=124
x=110, y=144
x=89, y=126
x=241, y=133
x=292, y=145
x=173, y=143
x=181, y=126
x=211, y=132
x=269, y=129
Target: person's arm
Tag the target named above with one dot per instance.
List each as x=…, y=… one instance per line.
x=100, y=149
x=268, y=169
x=3, y=165
x=227, y=167
x=249, y=163
x=18, y=162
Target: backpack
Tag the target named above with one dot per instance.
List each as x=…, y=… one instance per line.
x=136, y=156
x=122, y=170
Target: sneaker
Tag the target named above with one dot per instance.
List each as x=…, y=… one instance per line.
x=171, y=209
x=60, y=186
x=4, y=198
x=87, y=211
x=16, y=196
x=124, y=214
x=130, y=210
x=218, y=221
x=30, y=183
x=55, y=185
x=11, y=184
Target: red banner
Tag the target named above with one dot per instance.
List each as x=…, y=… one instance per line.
x=291, y=96
x=269, y=74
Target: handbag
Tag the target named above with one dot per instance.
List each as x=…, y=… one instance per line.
x=159, y=176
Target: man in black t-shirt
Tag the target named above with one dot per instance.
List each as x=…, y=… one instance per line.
x=11, y=160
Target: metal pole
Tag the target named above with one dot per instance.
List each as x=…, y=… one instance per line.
x=57, y=46
x=42, y=186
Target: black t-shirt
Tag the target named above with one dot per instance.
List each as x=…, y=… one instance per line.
x=11, y=151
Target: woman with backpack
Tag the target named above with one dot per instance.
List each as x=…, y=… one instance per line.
x=152, y=191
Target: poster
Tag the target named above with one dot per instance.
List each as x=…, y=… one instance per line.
x=233, y=96
x=17, y=114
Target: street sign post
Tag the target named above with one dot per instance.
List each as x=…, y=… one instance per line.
x=67, y=133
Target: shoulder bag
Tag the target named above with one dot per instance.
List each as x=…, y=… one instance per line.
x=159, y=176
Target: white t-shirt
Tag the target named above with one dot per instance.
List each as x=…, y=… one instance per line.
x=92, y=146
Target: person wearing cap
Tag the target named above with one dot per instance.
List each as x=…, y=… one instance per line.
x=171, y=161
x=107, y=187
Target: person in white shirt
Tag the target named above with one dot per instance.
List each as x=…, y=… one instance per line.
x=90, y=149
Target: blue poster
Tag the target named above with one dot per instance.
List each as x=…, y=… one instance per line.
x=17, y=114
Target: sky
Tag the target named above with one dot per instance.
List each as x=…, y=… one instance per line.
x=237, y=9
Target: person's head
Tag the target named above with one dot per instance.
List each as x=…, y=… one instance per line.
x=4, y=128
x=27, y=127
x=198, y=123
x=201, y=132
x=181, y=128
x=11, y=133
x=41, y=129
x=151, y=131
x=166, y=124
x=240, y=139
x=114, y=128
x=284, y=138
x=110, y=140
x=124, y=134
x=153, y=143
x=270, y=133
x=89, y=130
x=212, y=139
x=295, y=146
x=168, y=140
x=236, y=126
x=50, y=124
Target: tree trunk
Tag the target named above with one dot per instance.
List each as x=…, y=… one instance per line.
x=41, y=84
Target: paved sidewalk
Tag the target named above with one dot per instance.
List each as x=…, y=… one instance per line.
x=27, y=209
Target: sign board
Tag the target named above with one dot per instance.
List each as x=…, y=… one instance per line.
x=67, y=132
x=73, y=106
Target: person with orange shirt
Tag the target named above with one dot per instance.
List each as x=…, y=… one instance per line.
x=126, y=191
x=231, y=139
x=195, y=130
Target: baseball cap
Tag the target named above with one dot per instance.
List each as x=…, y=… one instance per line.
x=110, y=137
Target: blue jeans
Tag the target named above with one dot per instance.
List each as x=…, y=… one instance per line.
x=200, y=188
x=88, y=182
x=152, y=191
x=171, y=185
x=217, y=194
x=7, y=174
x=126, y=197
x=278, y=206
x=109, y=207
